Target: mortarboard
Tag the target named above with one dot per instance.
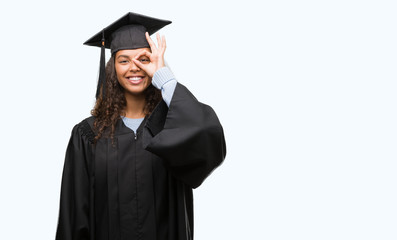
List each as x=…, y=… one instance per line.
x=128, y=32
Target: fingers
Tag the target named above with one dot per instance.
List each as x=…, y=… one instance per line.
x=139, y=55
x=151, y=43
x=138, y=63
x=143, y=53
x=164, y=45
x=160, y=42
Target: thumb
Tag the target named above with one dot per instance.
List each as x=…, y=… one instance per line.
x=139, y=64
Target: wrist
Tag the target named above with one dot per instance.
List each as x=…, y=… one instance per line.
x=162, y=76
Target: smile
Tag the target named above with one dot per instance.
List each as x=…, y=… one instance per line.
x=135, y=80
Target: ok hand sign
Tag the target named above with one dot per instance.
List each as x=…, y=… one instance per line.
x=156, y=56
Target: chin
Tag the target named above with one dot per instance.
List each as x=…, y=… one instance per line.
x=136, y=90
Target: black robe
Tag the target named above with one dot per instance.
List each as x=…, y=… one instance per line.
x=140, y=186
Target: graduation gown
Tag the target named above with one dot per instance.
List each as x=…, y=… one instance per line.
x=140, y=186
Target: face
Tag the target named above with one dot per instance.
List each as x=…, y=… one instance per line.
x=132, y=79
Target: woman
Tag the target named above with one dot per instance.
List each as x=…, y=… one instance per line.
x=130, y=167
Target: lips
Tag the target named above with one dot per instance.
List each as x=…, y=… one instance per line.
x=135, y=80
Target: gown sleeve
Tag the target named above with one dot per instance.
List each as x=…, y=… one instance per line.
x=73, y=221
x=191, y=139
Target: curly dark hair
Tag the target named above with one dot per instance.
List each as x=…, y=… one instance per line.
x=107, y=111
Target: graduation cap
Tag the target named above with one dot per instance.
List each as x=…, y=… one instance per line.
x=128, y=32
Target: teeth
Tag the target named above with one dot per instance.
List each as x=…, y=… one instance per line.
x=135, y=78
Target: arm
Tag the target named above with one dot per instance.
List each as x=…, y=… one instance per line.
x=73, y=221
x=190, y=137
x=164, y=80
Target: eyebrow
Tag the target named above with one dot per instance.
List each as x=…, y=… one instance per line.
x=125, y=56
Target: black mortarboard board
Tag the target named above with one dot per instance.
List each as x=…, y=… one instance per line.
x=128, y=32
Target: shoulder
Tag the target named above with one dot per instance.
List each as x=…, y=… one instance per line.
x=85, y=128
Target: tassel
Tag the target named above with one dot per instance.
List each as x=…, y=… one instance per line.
x=102, y=75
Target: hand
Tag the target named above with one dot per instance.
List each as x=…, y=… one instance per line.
x=156, y=56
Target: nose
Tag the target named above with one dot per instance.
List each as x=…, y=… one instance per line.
x=134, y=67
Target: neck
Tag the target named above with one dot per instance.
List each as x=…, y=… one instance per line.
x=135, y=105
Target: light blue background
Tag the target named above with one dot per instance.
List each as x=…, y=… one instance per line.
x=305, y=90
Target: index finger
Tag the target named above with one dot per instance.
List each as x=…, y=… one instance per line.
x=143, y=53
x=150, y=41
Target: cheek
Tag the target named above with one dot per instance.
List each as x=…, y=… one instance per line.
x=120, y=71
x=148, y=81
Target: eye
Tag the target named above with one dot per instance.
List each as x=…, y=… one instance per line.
x=144, y=60
x=123, y=61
